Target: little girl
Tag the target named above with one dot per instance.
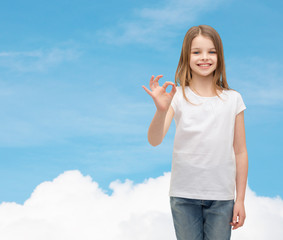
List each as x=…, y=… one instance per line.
x=210, y=159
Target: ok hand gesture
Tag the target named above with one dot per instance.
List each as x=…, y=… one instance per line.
x=161, y=98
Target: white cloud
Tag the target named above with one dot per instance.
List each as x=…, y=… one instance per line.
x=36, y=60
x=153, y=25
x=73, y=206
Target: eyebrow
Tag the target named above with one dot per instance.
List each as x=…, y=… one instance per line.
x=199, y=48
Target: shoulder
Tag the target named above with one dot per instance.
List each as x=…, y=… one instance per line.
x=236, y=100
x=179, y=91
x=177, y=99
x=179, y=88
x=233, y=93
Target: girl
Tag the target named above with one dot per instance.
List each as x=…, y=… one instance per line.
x=210, y=159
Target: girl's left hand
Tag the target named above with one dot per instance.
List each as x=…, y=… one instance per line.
x=239, y=215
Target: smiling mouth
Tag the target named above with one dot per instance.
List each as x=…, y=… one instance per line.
x=204, y=65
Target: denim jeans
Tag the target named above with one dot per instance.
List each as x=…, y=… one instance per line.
x=202, y=219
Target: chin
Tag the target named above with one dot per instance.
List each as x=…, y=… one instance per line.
x=203, y=74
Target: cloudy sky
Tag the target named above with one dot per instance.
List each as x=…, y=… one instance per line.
x=74, y=115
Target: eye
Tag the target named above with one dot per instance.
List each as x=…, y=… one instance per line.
x=196, y=52
x=212, y=52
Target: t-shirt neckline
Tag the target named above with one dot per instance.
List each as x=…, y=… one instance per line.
x=203, y=96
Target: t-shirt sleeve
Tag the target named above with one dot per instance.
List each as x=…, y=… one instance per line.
x=174, y=102
x=240, y=104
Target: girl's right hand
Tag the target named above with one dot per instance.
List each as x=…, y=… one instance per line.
x=161, y=98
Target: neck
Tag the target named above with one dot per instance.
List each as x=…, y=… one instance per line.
x=202, y=83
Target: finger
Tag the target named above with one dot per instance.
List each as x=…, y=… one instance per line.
x=235, y=227
x=147, y=90
x=157, y=79
x=154, y=82
x=166, y=84
x=234, y=220
x=151, y=81
x=173, y=90
x=233, y=224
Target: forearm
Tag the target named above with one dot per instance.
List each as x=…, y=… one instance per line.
x=241, y=175
x=156, y=128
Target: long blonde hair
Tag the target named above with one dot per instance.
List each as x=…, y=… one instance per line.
x=183, y=74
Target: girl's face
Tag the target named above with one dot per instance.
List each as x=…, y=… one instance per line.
x=203, y=57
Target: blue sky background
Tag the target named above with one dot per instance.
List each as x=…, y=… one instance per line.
x=70, y=86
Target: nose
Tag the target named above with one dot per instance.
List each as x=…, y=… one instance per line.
x=204, y=56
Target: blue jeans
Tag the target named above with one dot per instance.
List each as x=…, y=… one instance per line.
x=202, y=219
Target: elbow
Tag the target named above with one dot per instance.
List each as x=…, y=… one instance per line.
x=154, y=143
x=155, y=139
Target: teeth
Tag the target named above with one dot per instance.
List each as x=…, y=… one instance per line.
x=204, y=65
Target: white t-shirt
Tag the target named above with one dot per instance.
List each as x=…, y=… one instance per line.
x=203, y=165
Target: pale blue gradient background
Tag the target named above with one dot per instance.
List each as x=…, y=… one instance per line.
x=70, y=86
